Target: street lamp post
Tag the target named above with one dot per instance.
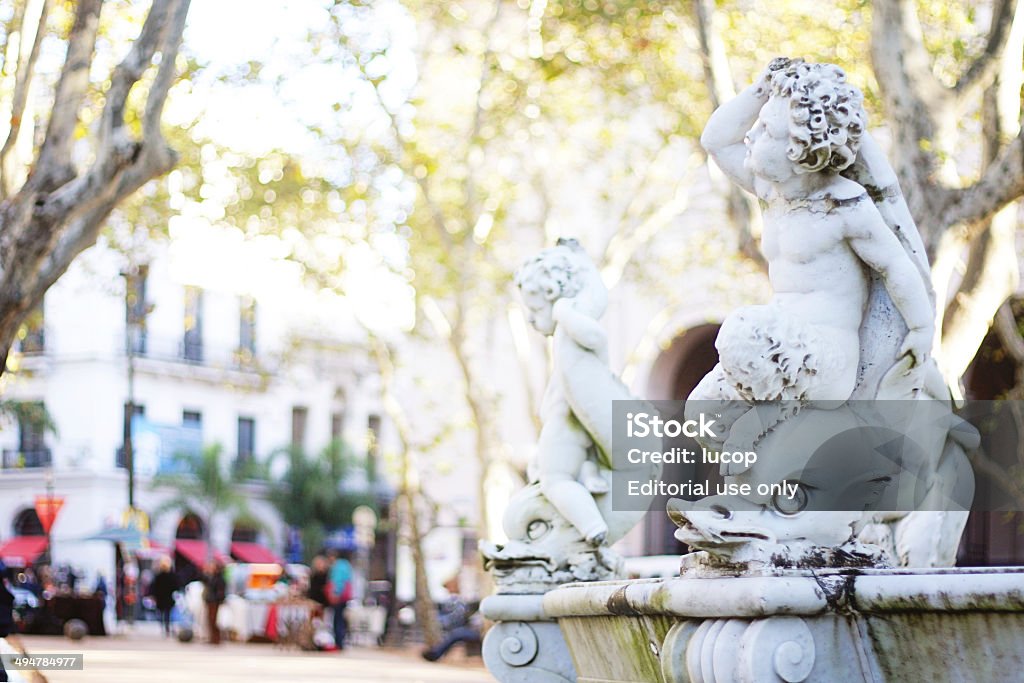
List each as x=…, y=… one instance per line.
x=48, y=479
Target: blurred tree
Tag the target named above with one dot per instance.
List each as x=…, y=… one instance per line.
x=203, y=486
x=945, y=84
x=311, y=497
x=75, y=147
x=465, y=135
x=939, y=70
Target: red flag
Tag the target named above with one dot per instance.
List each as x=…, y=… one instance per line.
x=48, y=507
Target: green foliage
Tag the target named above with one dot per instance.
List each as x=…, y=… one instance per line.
x=206, y=486
x=30, y=413
x=311, y=495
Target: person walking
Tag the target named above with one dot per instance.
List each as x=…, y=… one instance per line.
x=6, y=612
x=339, y=592
x=318, y=578
x=214, y=593
x=164, y=585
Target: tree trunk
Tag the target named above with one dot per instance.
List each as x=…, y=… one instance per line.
x=426, y=610
x=979, y=218
x=59, y=209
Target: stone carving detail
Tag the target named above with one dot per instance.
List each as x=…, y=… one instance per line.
x=560, y=526
x=772, y=650
x=850, y=318
x=516, y=653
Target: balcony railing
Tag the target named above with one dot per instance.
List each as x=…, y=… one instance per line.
x=190, y=351
x=14, y=459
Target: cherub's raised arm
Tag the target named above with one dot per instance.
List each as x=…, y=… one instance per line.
x=723, y=136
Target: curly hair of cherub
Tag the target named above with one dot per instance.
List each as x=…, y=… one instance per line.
x=826, y=115
x=553, y=271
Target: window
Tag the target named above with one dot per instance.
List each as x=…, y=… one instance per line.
x=244, y=533
x=373, y=425
x=136, y=309
x=191, y=418
x=31, y=426
x=246, y=439
x=33, y=422
x=27, y=523
x=337, y=426
x=247, y=328
x=31, y=334
x=299, y=416
x=192, y=347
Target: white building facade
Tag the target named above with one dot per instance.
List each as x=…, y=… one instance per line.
x=203, y=361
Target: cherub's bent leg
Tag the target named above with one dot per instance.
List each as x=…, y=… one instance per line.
x=562, y=450
x=590, y=477
x=576, y=504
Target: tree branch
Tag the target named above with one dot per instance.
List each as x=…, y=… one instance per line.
x=53, y=167
x=983, y=70
x=22, y=80
x=741, y=207
x=1001, y=183
x=130, y=70
x=991, y=276
x=478, y=114
x=1009, y=334
x=914, y=98
x=124, y=166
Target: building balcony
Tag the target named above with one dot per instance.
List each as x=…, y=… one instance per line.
x=195, y=359
x=14, y=459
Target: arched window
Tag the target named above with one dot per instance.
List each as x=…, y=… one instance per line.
x=190, y=527
x=674, y=375
x=244, y=533
x=26, y=523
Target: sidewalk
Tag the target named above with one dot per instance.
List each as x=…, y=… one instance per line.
x=144, y=655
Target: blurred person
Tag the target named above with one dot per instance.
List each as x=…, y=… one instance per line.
x=6, y=612
x=318, y=578
x=214, y=593
x=163, y=588
x=339, y=592
x=130, y=590
x=457, y=621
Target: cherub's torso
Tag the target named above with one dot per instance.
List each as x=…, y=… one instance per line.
x=814, y=273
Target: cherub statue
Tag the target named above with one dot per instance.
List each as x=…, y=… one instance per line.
x=560, y=526
x=850, y=319
x=787, y=138
x=564, y=294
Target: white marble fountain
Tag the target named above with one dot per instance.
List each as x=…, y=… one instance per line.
x=804, y=589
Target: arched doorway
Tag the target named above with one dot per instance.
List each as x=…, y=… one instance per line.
x=675, y=373
x=26, y=523
x=992, y=538
x=244, y=533
x=190, y=528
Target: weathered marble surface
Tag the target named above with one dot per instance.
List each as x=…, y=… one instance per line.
x=829, y=626
x=560, y=526
x=851, y=317
x=525, y=645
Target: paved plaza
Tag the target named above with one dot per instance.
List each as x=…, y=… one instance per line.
x=146, y=657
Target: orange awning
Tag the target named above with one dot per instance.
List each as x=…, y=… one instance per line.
x=195, y=552
x=22, y=551
x=254, y=553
